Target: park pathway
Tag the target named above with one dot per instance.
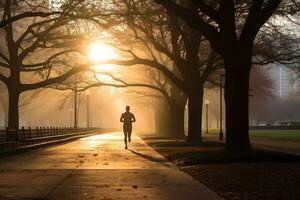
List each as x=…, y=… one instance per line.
x=96, y=168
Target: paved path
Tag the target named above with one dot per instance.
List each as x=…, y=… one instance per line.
x=96, y=167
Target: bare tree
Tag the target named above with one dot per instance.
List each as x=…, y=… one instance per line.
x=261, y=86
x=166, y=37
x=40, y=50
x=231, y=28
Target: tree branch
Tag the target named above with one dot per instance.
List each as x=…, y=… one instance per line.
x=209, y=11
x=3, y=79
x=192, y=19
x=257, y=17
x=58, y=79
x=150, y=63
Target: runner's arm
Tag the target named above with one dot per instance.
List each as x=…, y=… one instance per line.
x=122, y=118
x=133, y=118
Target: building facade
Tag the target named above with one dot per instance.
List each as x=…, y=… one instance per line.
x=285, y=82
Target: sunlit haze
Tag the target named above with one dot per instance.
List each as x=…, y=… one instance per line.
x=148, y=99
x=98, y=52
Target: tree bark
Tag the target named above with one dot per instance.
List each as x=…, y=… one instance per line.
x=176, y=123
x=3, y=102
x=161, y=120
x=5, y=116
x=195, y=115
x=13, y=108
x=237, y=71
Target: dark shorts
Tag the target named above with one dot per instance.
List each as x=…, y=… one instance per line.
x=127, y=128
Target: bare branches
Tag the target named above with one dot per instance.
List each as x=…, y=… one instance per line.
x=5, y=58
x=117, y=83
x=208, y=10
x=46, y=64
x=150, y=63
x=193, y=20
x=257, y=17
x=3, y=78
x=50, y=81
x=47, y=46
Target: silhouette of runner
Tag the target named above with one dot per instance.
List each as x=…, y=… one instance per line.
x=127, y=118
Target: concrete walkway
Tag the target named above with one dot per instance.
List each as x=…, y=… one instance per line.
x=96, y=167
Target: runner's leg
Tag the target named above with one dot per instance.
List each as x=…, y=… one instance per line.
x=129, y=133
x=125, y=136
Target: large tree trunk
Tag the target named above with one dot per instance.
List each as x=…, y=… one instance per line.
x=13, y=108
x=195, y=115
x=237, y=103
x=176, y=124
x=161, y=119
x=3, y=102
x=5, y=116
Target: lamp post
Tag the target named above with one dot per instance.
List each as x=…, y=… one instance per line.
x=206, y=102
x=70, y=112
x=221, y=135
x=88, y=109
x=75, y=102
x=251, y=110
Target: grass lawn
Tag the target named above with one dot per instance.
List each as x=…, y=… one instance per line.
x=290, y=135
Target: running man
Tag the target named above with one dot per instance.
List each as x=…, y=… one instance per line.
x=127, y=118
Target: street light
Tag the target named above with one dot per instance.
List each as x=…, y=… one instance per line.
x=88, y=109
x=206, y=102
x=75, y=102
x=70, y=111
x=221, y=135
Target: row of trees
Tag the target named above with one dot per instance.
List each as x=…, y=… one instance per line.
x=231, y=28
x=200, y=38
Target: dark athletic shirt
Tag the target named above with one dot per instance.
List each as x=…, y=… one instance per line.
x=128, y=118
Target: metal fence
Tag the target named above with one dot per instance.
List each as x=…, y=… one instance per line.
x=11, y=138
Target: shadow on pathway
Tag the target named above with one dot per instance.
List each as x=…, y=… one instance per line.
x=151, y=158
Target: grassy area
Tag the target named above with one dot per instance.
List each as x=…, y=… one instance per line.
x=290, y=135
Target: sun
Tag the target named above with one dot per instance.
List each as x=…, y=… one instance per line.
x=98, y=52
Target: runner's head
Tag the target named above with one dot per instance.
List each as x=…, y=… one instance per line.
x=127, y=108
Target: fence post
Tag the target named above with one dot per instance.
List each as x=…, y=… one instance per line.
x=16, y=134
x=23, y=132
x=29, y=129
x=6, y=134
x=37, y=132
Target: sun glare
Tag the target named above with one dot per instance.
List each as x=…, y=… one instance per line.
x=98, y=52
x=101, y=52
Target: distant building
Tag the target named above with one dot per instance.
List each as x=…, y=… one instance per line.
x=284, y=81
